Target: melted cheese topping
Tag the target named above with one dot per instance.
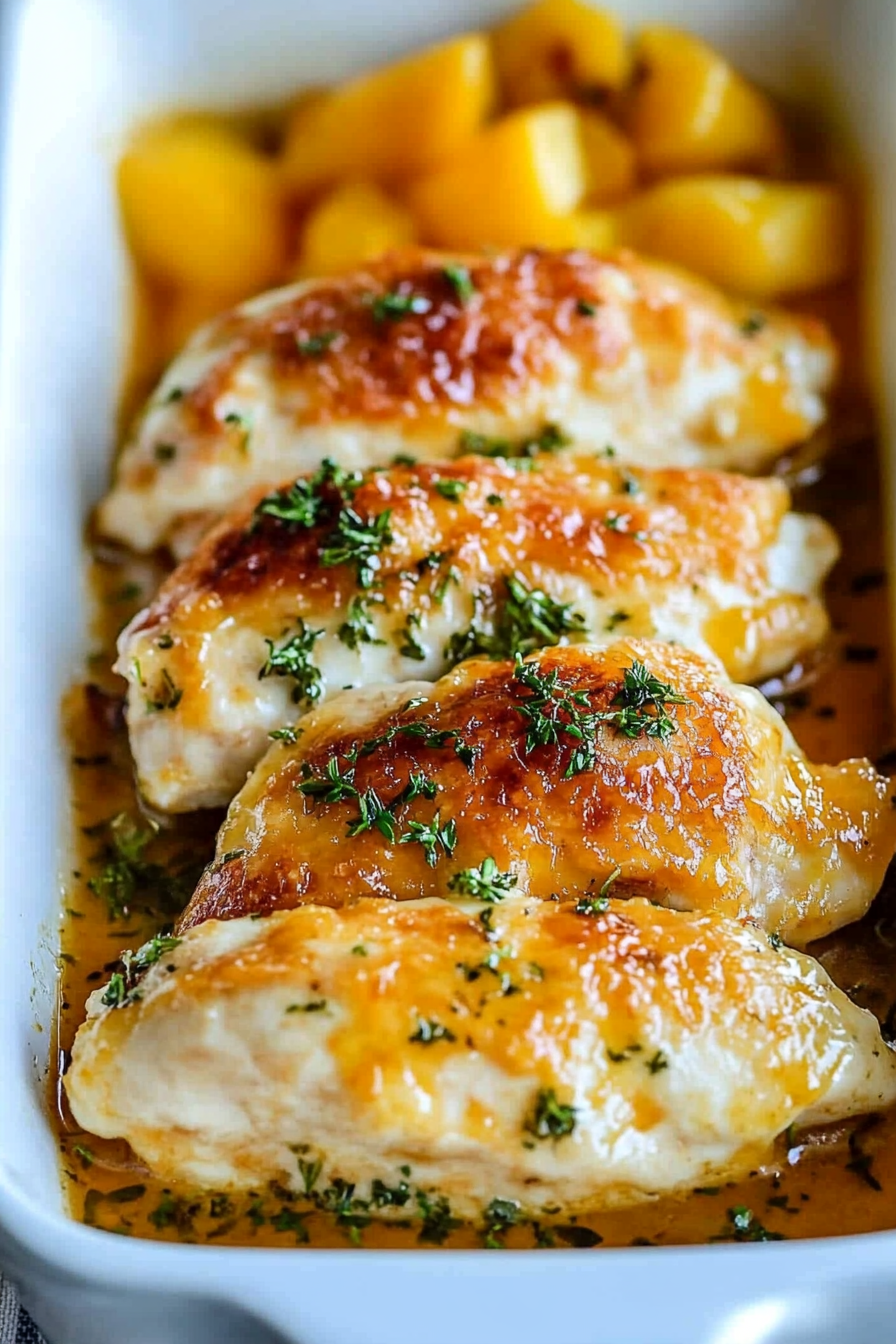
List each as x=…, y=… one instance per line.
x=711, y=561
x=576, y=1061
x=724, y=814
x=666, y=369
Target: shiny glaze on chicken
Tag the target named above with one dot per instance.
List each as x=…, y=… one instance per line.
x=479, y=556
x=390, y=360
x=638, y=768
x=561, y=1059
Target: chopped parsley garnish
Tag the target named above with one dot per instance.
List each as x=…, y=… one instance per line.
x=384, y=1196
x=358, y=627
x=332, y=786
x=165, y=695
x=616, y=618
x=547, y=440
x=373, y=814
x=122, y=988
x=392, y=307
x=288, y=1220
x=642, y=702
x=244, y=424
x=550, y=1119
x=484, y=883
x=314, y=1006
x=500, y=1216
x=358, y=541
x=596, y=905
x=426, y=735
x=450, y=489
x=317, y=345
x=438, y=1222
x=775, y=941
x=753, y=324
x=410, y=646
x=657, y=1062
x=287, y=734
x=553, y=711
x=310, y=1172
x=433, y=836
x=429, y=1031
x=305, y=502
x=460, y=281
x=586, y=309
x=624, y=1055
x=126, y=875
x=527, y=619
x=745, y=1226
x=293, y=659
x=165, y=452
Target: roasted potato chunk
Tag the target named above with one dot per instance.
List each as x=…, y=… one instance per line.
x=395, y=122
x=559, y=49
x=509, y=184
x=356, y=222
x=202, y=210
x=691, y=112
x=760, y=238
x=609, y=159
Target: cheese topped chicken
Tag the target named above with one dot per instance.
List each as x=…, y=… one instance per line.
x=338, y=580
x=638, y=769
x=401, y=359
x=548, y=1057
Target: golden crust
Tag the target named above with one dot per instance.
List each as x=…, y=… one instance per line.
x=620, y=350
x=686, y=1043
x=526, y=320
x=723, y=814
x=713, y=561
x=623, y=532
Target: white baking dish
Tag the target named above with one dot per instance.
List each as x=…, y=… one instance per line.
x=77, y=73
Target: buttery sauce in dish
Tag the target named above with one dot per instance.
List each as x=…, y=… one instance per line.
x=134, y=871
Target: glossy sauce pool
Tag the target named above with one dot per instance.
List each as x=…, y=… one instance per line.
x=843, y=1182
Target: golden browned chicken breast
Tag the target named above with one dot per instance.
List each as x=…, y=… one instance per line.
x=335, y=581
x=549, y=1056
x=637, y=768
x=418, y=354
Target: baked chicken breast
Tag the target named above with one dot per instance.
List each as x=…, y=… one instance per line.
x=403, y=358
x=560, y=1060
x=336, y=580
x=637, y=768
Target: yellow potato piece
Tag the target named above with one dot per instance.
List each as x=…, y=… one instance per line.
x=354, y=223
x=595, y=230
x=691, y=112
x=393, y=123
x=508, y=185
x=609, y=159
x=759, y=238
x=202, y=209
x=559, y=49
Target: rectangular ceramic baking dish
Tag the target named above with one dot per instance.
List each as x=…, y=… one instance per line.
x=77, y=73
